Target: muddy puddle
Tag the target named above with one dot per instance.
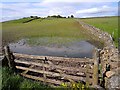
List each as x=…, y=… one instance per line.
x=79, y=49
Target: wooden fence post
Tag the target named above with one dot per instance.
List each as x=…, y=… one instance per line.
x=44, y=69
x=9, y=57
x=87, y=74
x=95, y=68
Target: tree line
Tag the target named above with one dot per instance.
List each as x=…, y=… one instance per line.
x=59, y=16
x=53, y=16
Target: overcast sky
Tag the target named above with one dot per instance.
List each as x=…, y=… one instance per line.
x=89, y=8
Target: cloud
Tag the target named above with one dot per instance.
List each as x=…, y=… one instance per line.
x=49, y=1
x=103, y=9
x=64, y=11
x=55, y=11
x=59, y=0
x=55, y=7
x=88, y=16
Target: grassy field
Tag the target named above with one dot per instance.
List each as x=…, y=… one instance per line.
x=57, y=30
x=107, y=24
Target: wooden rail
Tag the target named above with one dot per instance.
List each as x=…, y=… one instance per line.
x=84, y=60
x=55, y=66
x=52, y=81
x=53, y=74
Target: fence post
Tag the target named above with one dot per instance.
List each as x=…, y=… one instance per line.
x=95, y=67
x=9, y=57
x=87, y=74
x=44, y=69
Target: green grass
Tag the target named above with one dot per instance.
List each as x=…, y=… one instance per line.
x=50, y=28
x=107, y=24
x=12, y=81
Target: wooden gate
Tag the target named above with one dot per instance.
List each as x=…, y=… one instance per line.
x=54, y=70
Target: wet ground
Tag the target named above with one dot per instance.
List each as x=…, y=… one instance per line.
x=75, y=49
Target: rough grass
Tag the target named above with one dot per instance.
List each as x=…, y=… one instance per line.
x=12, y=81
x=41, y=28
x=107, y=24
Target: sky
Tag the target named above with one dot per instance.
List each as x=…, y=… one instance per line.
x=15, y=9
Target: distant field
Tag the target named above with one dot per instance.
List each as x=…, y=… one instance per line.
x=57, y=30
x=107, y=24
